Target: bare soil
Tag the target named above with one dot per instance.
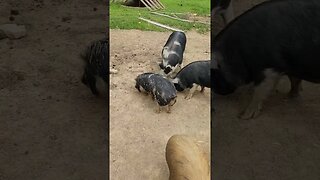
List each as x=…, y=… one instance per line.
x=281, y=144
x=51, y=126
x=138, y=135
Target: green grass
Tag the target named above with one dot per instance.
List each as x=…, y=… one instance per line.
x=122, y=17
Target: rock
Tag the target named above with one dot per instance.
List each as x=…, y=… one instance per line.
x=13, y=31
x=113, y=71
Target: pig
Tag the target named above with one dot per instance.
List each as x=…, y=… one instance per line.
x=192, y=76
x=186, y=159
x=172, y=53
x=160, y=88
x=272, y=39
x=223, y=8
x=96, y=58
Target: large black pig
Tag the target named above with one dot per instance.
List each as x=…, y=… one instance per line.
x=274, y=38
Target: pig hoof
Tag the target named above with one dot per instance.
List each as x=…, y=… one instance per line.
x=187, y=97
x=202, y=90
x=157, y=111
x=168, y=111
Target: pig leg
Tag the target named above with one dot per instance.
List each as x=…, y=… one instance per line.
x=158, y=109
x=168, y=109
x=202, y=89
x=175, y=71
x=277, y=80
x=260, y=93
x=191, y=91
x=172, y=102
x=246, y=92
x=138, y=87
x=295, y=87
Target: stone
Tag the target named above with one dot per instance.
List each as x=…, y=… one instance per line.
x=13, y=31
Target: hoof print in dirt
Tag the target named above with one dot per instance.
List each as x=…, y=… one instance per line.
x=160, y=88
x=96, y=59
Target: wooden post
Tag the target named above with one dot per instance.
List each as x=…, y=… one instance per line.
x=160, y=25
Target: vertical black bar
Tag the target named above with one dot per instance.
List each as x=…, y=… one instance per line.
x=108, y=92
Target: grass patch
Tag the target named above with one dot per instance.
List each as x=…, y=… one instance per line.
x=122, y=17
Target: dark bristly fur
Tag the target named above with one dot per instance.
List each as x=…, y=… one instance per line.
x=96, y=58
x=223, y=8
x=161, y=89
x=197, y=72
x=281, y=34
x=274, y=38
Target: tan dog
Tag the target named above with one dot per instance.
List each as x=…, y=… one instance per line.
x=186, y=160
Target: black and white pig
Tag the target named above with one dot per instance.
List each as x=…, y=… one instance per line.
x=223, y=8
x=160, y=88
x=96, y=59
x=172, y=53
x=280, y=37
x=192, y=76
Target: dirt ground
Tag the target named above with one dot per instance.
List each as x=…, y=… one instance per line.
x=282, y=144
x=138, y=135
x=51, y=126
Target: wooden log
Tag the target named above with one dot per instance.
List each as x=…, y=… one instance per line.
x=160, y=25
x=152, y=4
x=160, y=4
x=146, y=5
